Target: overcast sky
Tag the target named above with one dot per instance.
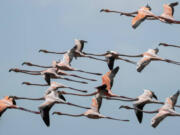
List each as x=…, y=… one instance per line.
x=27, y=26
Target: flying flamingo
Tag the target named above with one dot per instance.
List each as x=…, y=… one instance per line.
x=48, y=74
x=144, y=14
x=111, y=56
x=51, y=98
x=167, y=15
x=107, y=95
x=54, y=86
x=166, y=45
x=108, y=79
x=94, y=111
x=142, y=100
x=57, y=70
x=138, y=16
x=147, y=57
x=166, y=110
x=9, y=103
x=62, y=65
x=77, y=50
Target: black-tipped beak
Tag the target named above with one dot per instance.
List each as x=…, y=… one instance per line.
x=85, y=41
x=102, y=10
x=10, y=70
x=154, y=96
x=160, y=44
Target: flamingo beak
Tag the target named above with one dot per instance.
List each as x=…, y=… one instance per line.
x=84, y=41
x=154, y=96
x=102, y=10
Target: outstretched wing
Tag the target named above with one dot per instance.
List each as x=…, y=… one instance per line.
x=171, y=61
x=3, y=108
x=96, y=103
x=139, y=114
x=47, y=78
x=172, y=5
x=142, y=64
x=44, y=110
x=140, y=17
x=110, y=62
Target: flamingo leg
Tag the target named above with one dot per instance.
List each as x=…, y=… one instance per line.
x=67, y=79
x=132, y=108
x=71, y=104
x=82, y=77
x=67, y=93
x=28, y=83
x=107, y=117
x=87, y=72
x=24, y=109
x=35, y=65
x=46, y=51
x=25, y=71
x=129, y=61
x=26, y=98
x=72, y=115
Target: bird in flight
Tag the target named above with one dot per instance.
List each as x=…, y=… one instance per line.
x=166, y=110
x=51, y=98
x=147, y=57
x=139, y=16
x=54, y=86
x=48, y=74
x=77, y=50
x=144, y=13
x=111, y=56
x=94, y=111
x=9, y=103
x=141, y=101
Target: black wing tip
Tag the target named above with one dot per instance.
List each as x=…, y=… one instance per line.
x=139, y=119
x=45, y=116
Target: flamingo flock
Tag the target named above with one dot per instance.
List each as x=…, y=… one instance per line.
x=57, y=69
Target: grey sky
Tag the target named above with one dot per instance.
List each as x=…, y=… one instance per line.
x=27, y=26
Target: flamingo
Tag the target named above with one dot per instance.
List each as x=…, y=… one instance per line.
x=9, y=103
x=107, y=95
x=166, y=110
x=147, y=57
x=94, y=111
x=108, y=79
x=77, y=50
x=167, y=15
x=62, y=65
x=57, y=70
x=166, y=45
x=142, y=100
x=138, y=16
x=54, y=86
x=111, y=56
x=48, y=74
x=144, y=14
x=51, y=98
